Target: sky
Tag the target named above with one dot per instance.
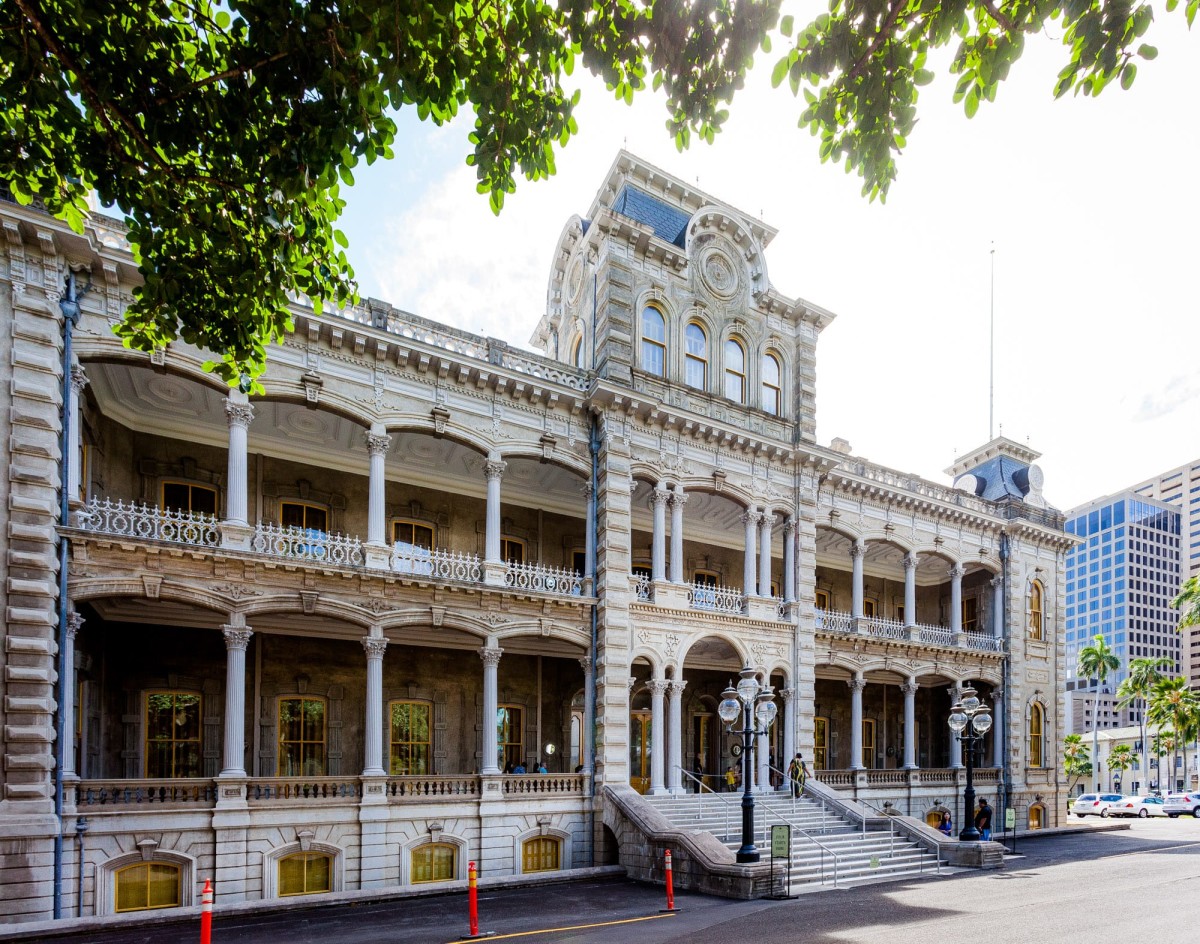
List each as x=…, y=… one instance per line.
x=1089, y=205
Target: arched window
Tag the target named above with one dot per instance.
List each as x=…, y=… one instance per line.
x=172, y=735
x=146, y=886
x=434, y=862
x=577, y=352
x=541, y=854
x=1035, y=610
x=772, y=391
x=1037, y=721
x=654, y=341
x=305, y=873
x=410, y=740
x=735, y=371
x=695, y=368
x=1037, y=816
x=301, y=737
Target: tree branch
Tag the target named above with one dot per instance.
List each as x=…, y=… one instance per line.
x=221, y=76
x=884, y=32
x=1009, y=25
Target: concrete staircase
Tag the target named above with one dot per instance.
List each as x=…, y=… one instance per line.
x=827, y=849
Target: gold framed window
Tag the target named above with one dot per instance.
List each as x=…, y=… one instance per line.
x=654, y=341
x=188, y=497
x=411, y=741
x=820, y=743
x=868, y=608
x=868, y=743
x=735, y=371
x=1037, y=723
x=172, y=730
x=695, y=360
x=1037, y=816
x=900, y=612
x=305, y=873
x=434, y=862
x=304, y=516
x=147, y=886
x=822, y=600
x=772, y=389
x=301, y=737
x=510, y=735
x=413, y=533
x=1036, y=596
x=541, y=854
x=512, y=550
x=970, y=614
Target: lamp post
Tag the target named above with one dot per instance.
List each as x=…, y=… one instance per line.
x=753, y=703
x=969, y=720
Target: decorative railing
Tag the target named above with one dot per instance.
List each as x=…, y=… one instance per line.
x=160, y=793
x=913, y=483
x=148, y=522
x=543, y=579
x=938, y=776
x=306, y=544
x=302, y=788
x=936, y=636
x=887, y=778
x=984, y=642
x=437, y=563
x=719, y=599
x=885, y=628
x=540, y=784
x=643, y=587
x=836, y=778
x=987, y=776
x=427, y=787
x=831, y=621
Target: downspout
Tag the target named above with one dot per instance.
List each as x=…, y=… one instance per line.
x=593, y=525
x=70, y=310
x=1006, y=774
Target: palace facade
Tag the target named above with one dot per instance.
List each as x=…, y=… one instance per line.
x=325, y=639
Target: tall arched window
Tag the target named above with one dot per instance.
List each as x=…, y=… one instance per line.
x=654, y=341
x=1035, y=610
x=735, y=371
x=772, y=391
x=147, y=886
x=1037, y=721
x=695, y=368
x=577, y=352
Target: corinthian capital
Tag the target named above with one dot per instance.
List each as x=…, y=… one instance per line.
x=239, y=414
x=377, y=443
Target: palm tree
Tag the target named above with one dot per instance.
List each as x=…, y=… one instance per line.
x=1120, y=759
x=1076, y=762
x=1143, y=674
x=1188, y=603
x=1096, y=662
x=1163, y=745
x=1174, y=704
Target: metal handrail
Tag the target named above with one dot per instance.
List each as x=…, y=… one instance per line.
x=700, y=806
x=806, y=834
x=892, y=829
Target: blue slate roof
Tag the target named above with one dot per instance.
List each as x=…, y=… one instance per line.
x=1001, y=476
x=667, y=222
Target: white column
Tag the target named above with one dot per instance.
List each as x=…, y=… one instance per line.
x=678, y=500
x=998, y=732
x=998, y=607
x=491, y=545
x=658, y=743
x=789, y=726
x=491, y=660
x=237, y=638
x=239, y=413
x=956, y=759
x=589, y=709
x=857, y=549
x=74, y=434
x=910, y=589
x=658, y=552
x=750, y=570
x=74, y=622
x=675, y=735
x=764, y=552
x=857, y=684
x=378, y=442
x=956, y=575
x=589, y=555
x=789, y=563
x=374, y=645
x=909, y=688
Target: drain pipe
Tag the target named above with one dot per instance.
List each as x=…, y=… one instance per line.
x=593, y=526
x=70, y=310
x=1006, y=774
x=81, y=828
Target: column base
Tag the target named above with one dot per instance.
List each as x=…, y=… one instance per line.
x=231, y=791
x=235, y=536
x=670, y=594
x=493, y=573
x=377, y=556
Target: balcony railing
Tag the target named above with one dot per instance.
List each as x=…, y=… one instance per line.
x=885, y=628
x=935, y=635
x=148, y=523
x=832, y=621
x=437, y=563
x=177, y=794
x=643, y=587
x=899, y=777
x=719, y=599
x=417, y=787
x=543, y=579
x=306, y=544
x=984, y=642
x=318, y=789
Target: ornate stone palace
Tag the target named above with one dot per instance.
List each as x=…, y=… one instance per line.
x=325, y=639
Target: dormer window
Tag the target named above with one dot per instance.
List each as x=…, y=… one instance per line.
x=772, y=391
x=735, y=371
x=695, y=370
x=654, y=341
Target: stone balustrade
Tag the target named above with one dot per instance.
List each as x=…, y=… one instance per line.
x=178, y=794
x=718, y=599
x=148, y=522
x=831, y=621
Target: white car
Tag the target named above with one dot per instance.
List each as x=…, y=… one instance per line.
x=1177, y=803
x=1095, y=804
x=1138, y=806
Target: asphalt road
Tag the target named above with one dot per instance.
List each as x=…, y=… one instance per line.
x=1140, y=885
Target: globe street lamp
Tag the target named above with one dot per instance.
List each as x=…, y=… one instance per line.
x=753, y=703
x=970, y=721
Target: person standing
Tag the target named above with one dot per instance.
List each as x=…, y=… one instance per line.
x=983, y=820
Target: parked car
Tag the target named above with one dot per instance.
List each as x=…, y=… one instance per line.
x=1138, y=806
x=1177, y=803
x=1095, y=804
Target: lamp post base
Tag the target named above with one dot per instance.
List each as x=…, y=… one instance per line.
x=970, y=834
x=748, y=855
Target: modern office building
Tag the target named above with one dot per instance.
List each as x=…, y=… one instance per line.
x=320, y=640
x=1181, y=488
x=1120, y=581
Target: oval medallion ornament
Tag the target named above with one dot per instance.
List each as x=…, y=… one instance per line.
x=719, y=273
x=575, y=279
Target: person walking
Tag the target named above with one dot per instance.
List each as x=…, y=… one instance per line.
x=983, y=820
x=797, y=774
